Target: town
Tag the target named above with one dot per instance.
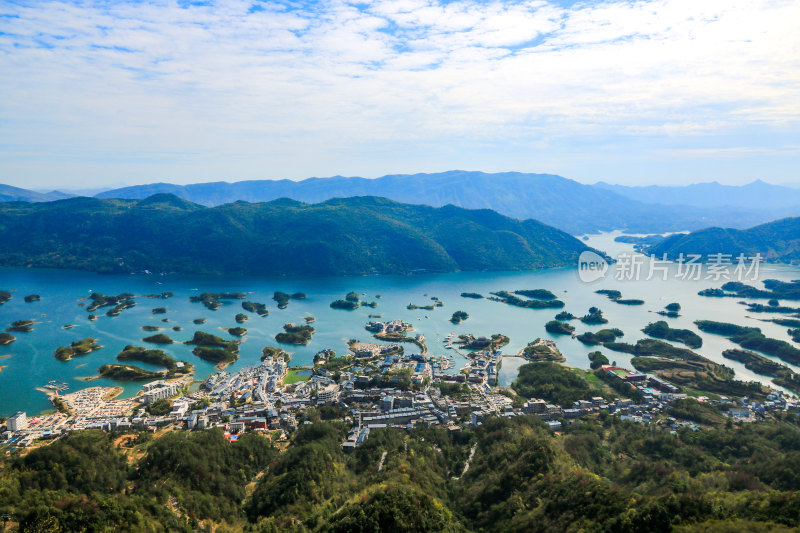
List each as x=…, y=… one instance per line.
x=374, y=386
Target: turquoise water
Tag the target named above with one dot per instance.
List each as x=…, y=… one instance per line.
x=29, y=362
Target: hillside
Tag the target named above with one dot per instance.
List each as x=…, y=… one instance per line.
x=284, y=237
x=756, y=194
x=554, y=200
x=16, y=194
x=776, y=241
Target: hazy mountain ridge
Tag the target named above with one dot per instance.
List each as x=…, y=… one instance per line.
x=343, y=236
x=757, y=194
x=557, y=201
x=776, y=241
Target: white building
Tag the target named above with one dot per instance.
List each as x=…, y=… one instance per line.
x=17, y=422
x=158, y=390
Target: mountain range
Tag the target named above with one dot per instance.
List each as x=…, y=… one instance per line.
x=757, y=194
x=566, y=204
x=359, y=235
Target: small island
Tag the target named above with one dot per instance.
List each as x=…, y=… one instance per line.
x=542, y=350
x=159, y=310
x=214, y=349
x=473, y=295
x=32, y=298
x=6, y=338
x=616, y=296
x=150, y=328
x=4, y=297
x=77, y=348
x=156, y=358
x=459, y=316
x=240, y=318
x=671, y=310
x=528, y=303
x=661, y=330
x=159, y=338
x=283, y=298
x=199, y=321
x=255, y=307
x=594, y=316
x=351, y=301
x=565, y=315
x=237, y=331
x=559, y=328
x=271, y=351
x=127, y=373
x=601, y=337
x=212, y=300
x=293, y=334
x=21, y=325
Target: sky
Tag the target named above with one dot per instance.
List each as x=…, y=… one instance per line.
x=630, y=92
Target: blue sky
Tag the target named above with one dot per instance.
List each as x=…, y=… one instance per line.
x=633, y=92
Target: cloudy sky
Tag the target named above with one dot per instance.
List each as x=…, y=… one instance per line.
x=663, y=91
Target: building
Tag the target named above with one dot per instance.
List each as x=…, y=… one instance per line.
x=17, y=422
x=158, y=390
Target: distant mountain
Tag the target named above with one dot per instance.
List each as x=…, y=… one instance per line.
x=15, y=194
x=343, y=236
x=777, y=241
x=756, y=195
x=554, y=200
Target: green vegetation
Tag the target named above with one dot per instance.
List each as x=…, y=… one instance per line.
x=344, y=304
x=24, y=326
x=412, y=307
x=599, y=474
x=790, y=322
x=237, y=331
x=597, y=359
x=686, y=368
x=271, y=351
x=283, y=298
x=6, y=338
x=513, y=299
x=559, y=328
x=159, y=407
x=294, y=334
x=552, y=383
x=610, y=294
x=294, y=376
x=542, y=351
x=601, y=337
x=539, y=294
x=4, y=297
x=156, y=358
x=214, y=349
x=159, y=338
x=340, y=236
x=240, y=318
x=783, y=375
x=120, y=302
x=594, y=316
x=616, y=296
x=661, y=330
x=752, y=339
x=150, y=328
x=127, y=373
x=473, y=295
x=32, y=298
x=77, y=348
x=565, y=315
x=671, y=310
x=255, y=307
x=213, y=300
x=459, y=316
x=159, y=310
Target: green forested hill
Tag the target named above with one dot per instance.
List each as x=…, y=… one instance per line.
x=340, y=236
x=599, y=474
x=778, y=241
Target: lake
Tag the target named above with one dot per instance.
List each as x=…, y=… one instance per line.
x=29, y=363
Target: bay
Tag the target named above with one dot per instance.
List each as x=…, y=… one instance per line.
x=28, y=362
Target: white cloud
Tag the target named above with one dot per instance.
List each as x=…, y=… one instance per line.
x=271, y=86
